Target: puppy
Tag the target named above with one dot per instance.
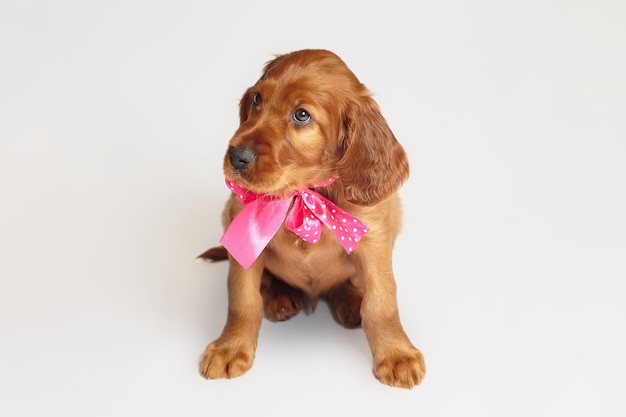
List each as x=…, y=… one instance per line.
x=312, y=157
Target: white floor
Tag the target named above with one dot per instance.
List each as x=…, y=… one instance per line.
x=511, y=268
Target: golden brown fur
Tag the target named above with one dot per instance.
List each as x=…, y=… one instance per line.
x=348, y=136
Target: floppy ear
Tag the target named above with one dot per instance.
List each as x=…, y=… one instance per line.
x=373, y=164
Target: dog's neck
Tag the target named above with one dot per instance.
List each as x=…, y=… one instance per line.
x=334, y=192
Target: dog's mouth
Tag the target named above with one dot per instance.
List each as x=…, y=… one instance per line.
x=276, y=187
x=281, y=185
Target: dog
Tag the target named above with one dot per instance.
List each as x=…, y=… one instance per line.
x=312, y=153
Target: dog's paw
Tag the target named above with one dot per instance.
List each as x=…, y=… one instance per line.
x=281, y=302
x=348, y=315
x=225, y=361
x=283, y=308
x=404, y=369
x=345, y=305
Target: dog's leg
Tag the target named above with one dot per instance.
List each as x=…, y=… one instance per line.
x=280, y=300
x=232, y=353
x=396, y=361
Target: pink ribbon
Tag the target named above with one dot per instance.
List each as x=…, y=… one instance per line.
x=257, y=223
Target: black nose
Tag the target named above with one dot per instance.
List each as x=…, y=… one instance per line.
x=241, y=157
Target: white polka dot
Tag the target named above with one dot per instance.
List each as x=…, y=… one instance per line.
x=354, y=230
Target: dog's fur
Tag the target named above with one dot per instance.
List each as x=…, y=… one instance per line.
x=347, y=136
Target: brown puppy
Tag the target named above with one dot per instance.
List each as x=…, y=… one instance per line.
x=307, y=119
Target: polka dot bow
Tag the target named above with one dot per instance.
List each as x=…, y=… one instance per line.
x=259, y=220
x=311, y=210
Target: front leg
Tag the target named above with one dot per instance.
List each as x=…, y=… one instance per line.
x=396, y=361
x=232, y=353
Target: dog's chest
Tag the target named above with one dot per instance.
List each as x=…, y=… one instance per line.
x=314, y=268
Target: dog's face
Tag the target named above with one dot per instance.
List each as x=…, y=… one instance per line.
x=307, y=119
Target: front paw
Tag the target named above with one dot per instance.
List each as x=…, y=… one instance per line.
x=404, y=369
x=222, y=360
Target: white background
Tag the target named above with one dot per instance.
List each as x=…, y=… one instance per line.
x=114, y=116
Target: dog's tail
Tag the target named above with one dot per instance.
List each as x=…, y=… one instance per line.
x=215, y=254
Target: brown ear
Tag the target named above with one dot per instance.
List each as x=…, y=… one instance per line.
x=373, y=164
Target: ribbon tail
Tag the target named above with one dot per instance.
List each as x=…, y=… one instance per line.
x=316, y=208
x=253, y=228
x=348, y=229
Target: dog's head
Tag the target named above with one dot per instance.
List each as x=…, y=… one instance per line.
x=307, y=119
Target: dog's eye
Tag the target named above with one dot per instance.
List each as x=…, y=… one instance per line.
x=301, y=116
x=256, y=100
